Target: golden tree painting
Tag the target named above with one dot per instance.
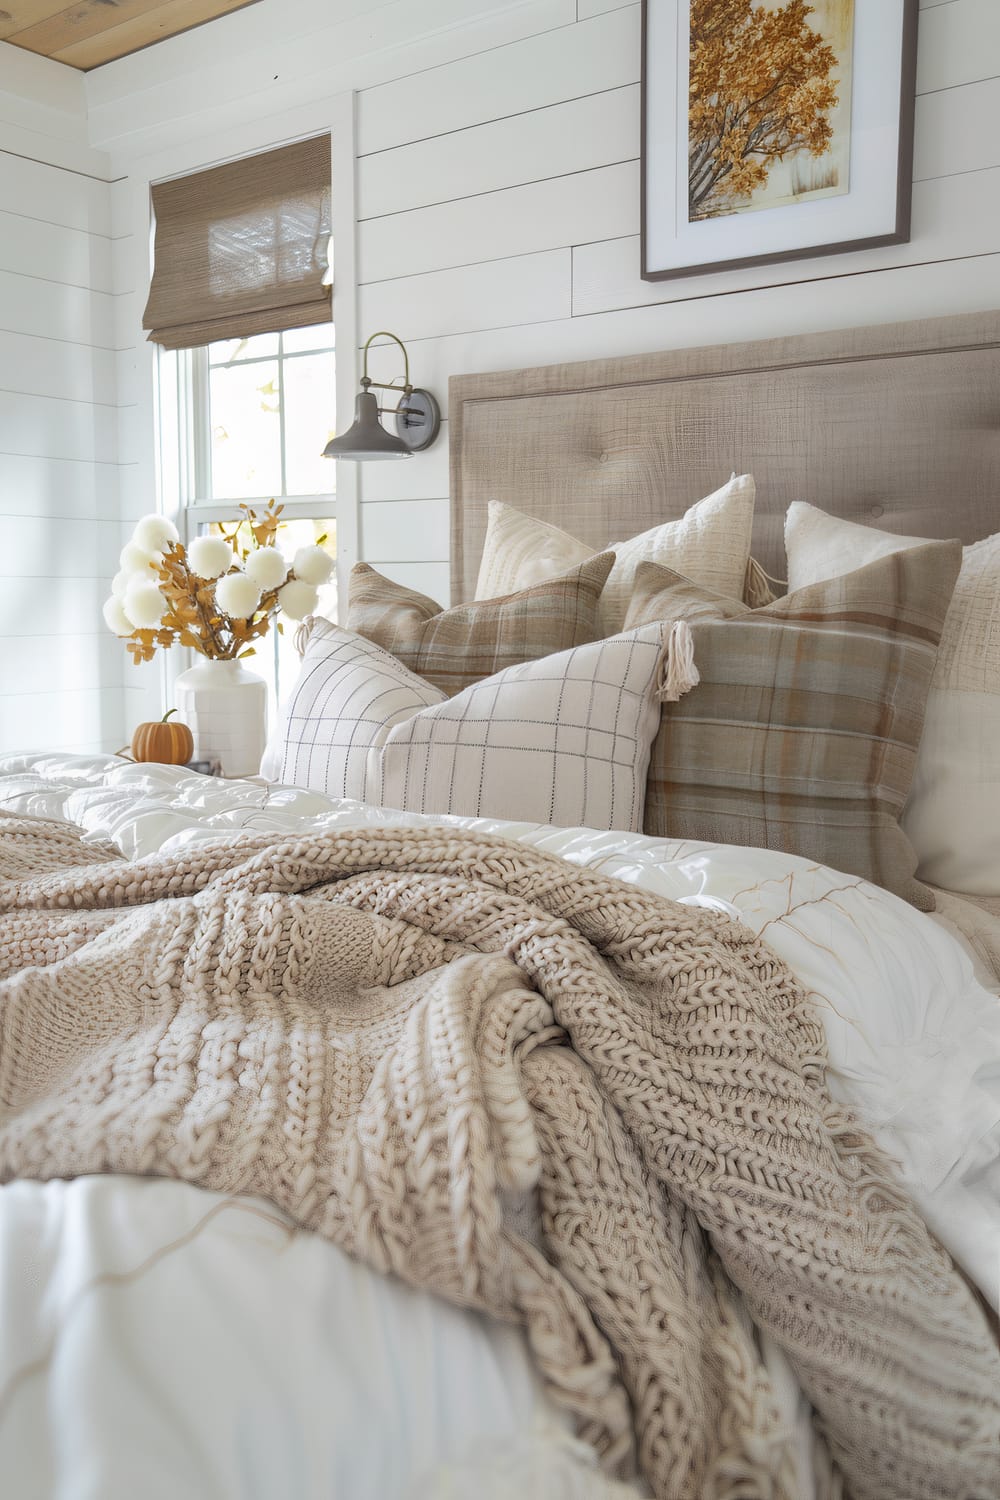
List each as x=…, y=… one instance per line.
x=769, y=103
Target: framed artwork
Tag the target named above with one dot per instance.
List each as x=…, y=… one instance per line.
x=773, y=130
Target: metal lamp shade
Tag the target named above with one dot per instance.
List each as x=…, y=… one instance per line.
x=366, y=438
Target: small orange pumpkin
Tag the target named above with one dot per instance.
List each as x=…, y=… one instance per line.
x=168, y=744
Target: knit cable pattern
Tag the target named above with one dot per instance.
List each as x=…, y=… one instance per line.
x=396, y=1033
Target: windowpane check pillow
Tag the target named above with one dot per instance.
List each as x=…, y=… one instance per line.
x=453, y=648
x=710, y=544
x=802, y=733
x=953, y=815
x=563, y=740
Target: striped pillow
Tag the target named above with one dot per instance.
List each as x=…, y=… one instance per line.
x=802, y=734
x=453, y=648
x=564, y=740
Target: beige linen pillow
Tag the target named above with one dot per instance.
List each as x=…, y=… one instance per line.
x=563, y=740
x=710, y=543
x=453, y=648
x=953, y=815
x=802, y=732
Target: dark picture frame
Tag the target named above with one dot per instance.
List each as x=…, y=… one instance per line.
x=896, y=173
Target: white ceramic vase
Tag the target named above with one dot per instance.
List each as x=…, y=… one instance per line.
x=225, y=708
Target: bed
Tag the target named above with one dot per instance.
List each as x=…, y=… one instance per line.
x=163, y=1335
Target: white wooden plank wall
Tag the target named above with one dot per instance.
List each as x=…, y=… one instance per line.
x=507, y=238
x=497, y=183
x=60, y=669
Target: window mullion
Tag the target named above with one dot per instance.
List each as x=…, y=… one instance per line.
x=201, y=423
x=281, y=410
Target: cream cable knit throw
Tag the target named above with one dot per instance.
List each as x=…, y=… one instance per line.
x=392, y=1033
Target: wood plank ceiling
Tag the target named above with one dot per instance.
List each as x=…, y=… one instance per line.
x=93, y=32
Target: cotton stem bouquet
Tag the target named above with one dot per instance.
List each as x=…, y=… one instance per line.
x=217, y=595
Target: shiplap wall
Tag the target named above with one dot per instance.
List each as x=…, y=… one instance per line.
x=508, y=233
x=497, y=195
x=60, y=670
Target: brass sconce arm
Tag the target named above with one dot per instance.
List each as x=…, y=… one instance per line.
x=386, y=385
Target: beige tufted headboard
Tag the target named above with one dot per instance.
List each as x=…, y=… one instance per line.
x=897, y=425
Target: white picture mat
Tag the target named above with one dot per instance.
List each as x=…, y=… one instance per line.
x=866, y=211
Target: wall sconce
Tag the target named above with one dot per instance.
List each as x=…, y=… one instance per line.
x=418, y=418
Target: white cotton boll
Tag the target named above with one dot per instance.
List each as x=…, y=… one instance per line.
x=120, y=583
x=154, y=533
x=115, y=617
x=267, y=567
x=144, y=605
x=298, y=599
x=237, y=596
x=209, y=556
x=136, y=559
x=312, y=565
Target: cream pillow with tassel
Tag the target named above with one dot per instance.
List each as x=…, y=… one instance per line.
x=710, y=544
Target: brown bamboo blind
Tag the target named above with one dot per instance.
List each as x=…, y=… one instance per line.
x=242, y=248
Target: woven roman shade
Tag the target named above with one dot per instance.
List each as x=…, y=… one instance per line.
x=242, y=248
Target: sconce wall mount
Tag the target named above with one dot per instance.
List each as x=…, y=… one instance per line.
x=417, y=417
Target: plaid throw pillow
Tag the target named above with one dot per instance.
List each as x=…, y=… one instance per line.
x=453, y=648
x=802, y=734
x=564, y=740
x=953, y=815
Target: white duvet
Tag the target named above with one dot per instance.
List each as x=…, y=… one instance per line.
x=157, y=1340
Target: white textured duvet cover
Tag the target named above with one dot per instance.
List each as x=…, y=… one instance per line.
x=158, y=1340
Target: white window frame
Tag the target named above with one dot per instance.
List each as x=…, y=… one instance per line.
x=194, y=456
x=184, y=403
x=147, y=689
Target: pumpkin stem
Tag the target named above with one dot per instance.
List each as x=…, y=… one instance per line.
x=166, y=716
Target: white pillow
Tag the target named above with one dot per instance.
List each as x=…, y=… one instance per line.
x=952, y=817
x=709, y=544
x=563, y=740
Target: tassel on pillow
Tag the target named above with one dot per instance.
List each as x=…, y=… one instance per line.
x=303, y=633
x=757, y=586
x=678, y=673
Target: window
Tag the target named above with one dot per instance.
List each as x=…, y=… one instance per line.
x=245, y=420
x=241, y=249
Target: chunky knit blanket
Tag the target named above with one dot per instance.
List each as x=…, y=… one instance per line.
x=397, y=1035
